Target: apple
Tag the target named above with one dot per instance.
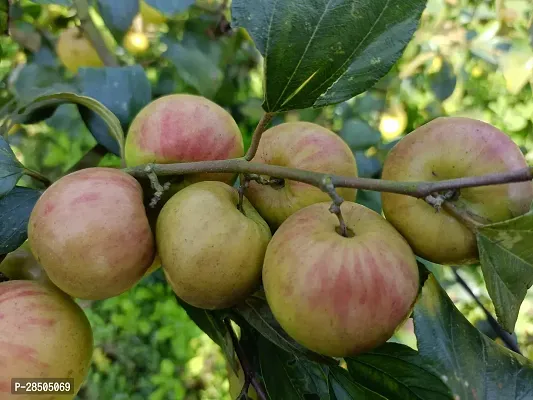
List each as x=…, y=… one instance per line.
x=184, y=128
x=339, y=296
x=236, y=382
x=44, y=334
x=305, y=146
x=75, y=50
x=448, y=148
x=136, y=43
x=90, y=233
x=211, y=252
x=22, y=265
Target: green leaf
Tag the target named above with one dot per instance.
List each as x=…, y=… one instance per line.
x=359, y=135
x=325, y=52
x=472, y=365
x=256, y=312
x=397, y=371
x=287, y=377
x=212, y=323
x=10, y=168
x=123, y=90
x=443, y=82
x=343, y=387
x=506, y=257
x=118, y=15
x=4, y=17
x=60, y=2
x=15, y=210
x=196, y=68
x=170, y=7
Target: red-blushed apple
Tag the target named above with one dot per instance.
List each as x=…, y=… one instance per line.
x=449, y=148
x=184, y=128
x=43, y=334
x=336, y=295
x=305, y=146
x=90, y=233
x=211, y=252
x=74, y=50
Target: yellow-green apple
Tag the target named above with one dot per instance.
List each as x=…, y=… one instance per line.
x=305, y=146
x=90, y=233
x=337, y=295
x=22, y=265
x=236, y=383
x=212, y=253
x=448, y=148
x=183, y=128
x=75, y=50
x=43, y=334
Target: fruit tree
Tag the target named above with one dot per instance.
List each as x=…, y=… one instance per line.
x=268, y=223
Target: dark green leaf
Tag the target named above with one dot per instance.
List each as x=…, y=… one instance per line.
x=10, y=168
x=370, y=199
x=4, y=16
x=343, y=387
x=359, y=135
x=367, y=167
x=15, y=210
x=443, y=82
x=287, y=377
x=38, y=80
x=325, y=52
x=123, y=90
x=212, y=323
x=196, y=68
x=256, y=312
x=506, y=257
x=472, y=365
x=170, y=7
x=118, y=15
x=397, y=371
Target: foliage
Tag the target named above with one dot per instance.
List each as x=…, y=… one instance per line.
x=467, y=58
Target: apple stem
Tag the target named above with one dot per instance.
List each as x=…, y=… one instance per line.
x=415, y=189
x=38, y=176
x=249, y=374
x=328, y=187
x=244, y=183
x=261, y=127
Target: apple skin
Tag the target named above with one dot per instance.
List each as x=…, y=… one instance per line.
x=184, y=128
x=448, y=148
x=22, y=265
x=90, y=233
x=211, y=253
x=75, y=50
x=339, y=296
x=44, y=334
x=305, y=146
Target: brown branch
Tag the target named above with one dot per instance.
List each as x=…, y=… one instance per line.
x=259, y=130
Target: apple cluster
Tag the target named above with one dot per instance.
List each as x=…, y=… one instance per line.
x=338, y=293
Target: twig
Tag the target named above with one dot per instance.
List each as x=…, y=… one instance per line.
x=246, y=367
x=93, y=34
x=37, y=175
x=261, y=127
x=508, y=339
x=415, y=189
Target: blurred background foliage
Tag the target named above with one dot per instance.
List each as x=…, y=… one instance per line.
x=469, y=58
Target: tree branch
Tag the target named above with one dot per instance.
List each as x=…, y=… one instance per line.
x=261, y=127
x=415, y=189
x=93, y=34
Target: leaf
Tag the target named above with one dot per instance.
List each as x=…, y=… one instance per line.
x=195, y=67
x=397, y=371
x=256, y=312
x=123, y=90
x=170, y=7
x=212, y=323
x=506, y=258
x=60, y=2
x=4, y=17
x=517, y=67
x=15, y=210
x=343, y=387
x=443, y=82
x=359, y=135
x=325, y=52
x=118, y=15
x=287, y=377
x=10, y=168
x=473, y=366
